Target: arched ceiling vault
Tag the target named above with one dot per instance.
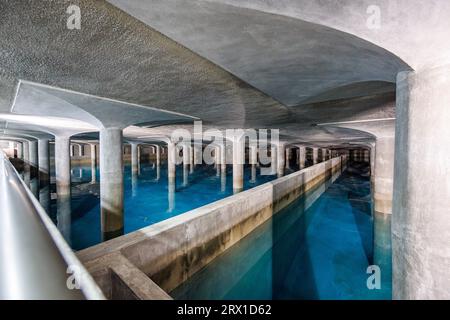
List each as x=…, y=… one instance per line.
x=287, y=64
x=289, y=59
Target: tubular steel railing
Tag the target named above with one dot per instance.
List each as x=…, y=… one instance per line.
x=35, y=260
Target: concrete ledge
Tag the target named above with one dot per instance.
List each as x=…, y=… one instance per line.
x=171, y=251
x=120, y=279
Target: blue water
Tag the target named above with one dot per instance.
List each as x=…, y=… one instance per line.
x=309, y=250
x=146, y=199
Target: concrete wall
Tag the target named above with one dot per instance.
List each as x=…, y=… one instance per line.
x=171, y=251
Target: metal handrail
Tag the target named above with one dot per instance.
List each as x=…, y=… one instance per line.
x=35, y=260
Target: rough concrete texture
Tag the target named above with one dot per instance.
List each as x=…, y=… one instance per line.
x=413, y=30
x=171, y=251
x=289, y=59
x=105, y=59
x=118, y=57
x=62, y=165
x=119, y=279
x=383, y=175
x=41, y=100
x=420, y=221
x=111, y=183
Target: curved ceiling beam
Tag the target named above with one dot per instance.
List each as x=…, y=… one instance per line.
x=413, y=30
x=287, y=58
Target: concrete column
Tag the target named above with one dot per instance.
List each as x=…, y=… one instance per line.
x=217, y=160
x=223, y=167
x=198, y=150
x=372, y=165
x=273, y=160
x=134, y=158
x=253, y=161
x=111, y=182
x=324, y=154
x=191, y=159
x=44, y=162
x=10, y=151
x=384, y=174
x=315, y=154
x=19, y=150
x=281, y=151
x=171, y=162
x=152, y=150
x=186, y=154
x=34, y=162
x=366, y=156
x=72, y=150
x=288, y=153
x=171, y=173
x=238, y=164
x=302, y=157
x=139, y=159
x=158, y=155
x=80, y=150
x=93, y=164
x=62, y=174
x=421, y=221
x=26, y=163
x=382, y=204
x=62, y=165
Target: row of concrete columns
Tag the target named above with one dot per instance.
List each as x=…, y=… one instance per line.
x=111, y=170
x=360, y=155
x=419, y=202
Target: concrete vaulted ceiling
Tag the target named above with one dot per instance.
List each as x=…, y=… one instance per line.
x=416, y=31
x=289, y=59
x=265, y=64
x=115, y=56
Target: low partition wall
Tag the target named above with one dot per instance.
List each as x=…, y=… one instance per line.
x=152, y=261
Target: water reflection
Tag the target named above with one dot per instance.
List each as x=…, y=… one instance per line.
x=63, y=216
x=171, y=196
x=313, y=249
x=148, y=197
x=45, y=198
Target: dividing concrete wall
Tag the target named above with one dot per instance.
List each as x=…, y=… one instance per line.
x=171, y=251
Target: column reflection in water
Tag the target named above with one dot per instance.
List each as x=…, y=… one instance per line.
x=217, y=160
x=186, y=155
x=223, y=167
x=253, y=177
x=382, y=246
x=93, y=164
x=34, y=187
x=171, y=195
x=44, y=198
x=26, y=164
x=171, y=175
x=191, y=160
x=134, y=183
x=223, y=177
x=158, y=171
x=273, y=160
x=63, y=216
